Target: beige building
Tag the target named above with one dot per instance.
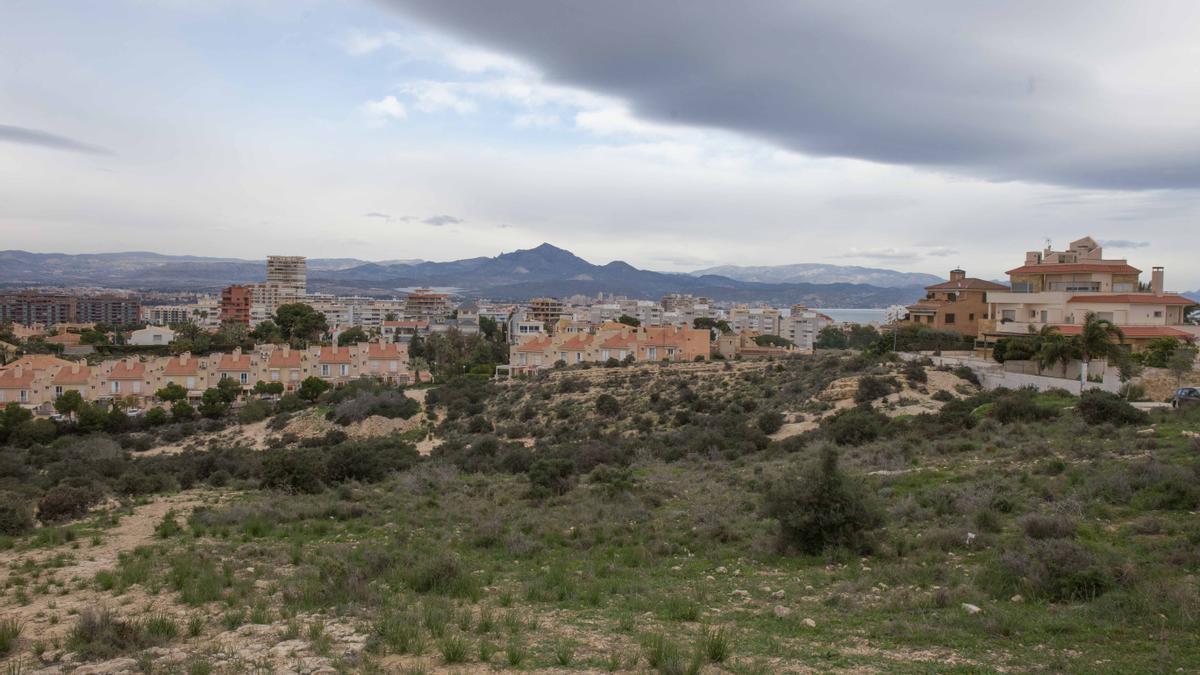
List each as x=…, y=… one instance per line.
x=1060, y=288
x=35, y=382
x=610, y=340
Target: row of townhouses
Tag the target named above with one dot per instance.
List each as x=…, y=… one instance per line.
x=577, y=342
x=36, y=381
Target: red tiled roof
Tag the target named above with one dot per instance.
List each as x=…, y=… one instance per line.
x=178, y=366
x=1136, y=299
x=234, y=362
x=577, y=342
x=406, y=324
x=285, y=358
x=126, y=370
x=1134, y=332
x=619, y=341
x=10, y=380
x=376, y=350
x=36, y=362
x=967, y=284
x=334, y=355
x=534, y=345
x=68, y=375
x=1067, y=268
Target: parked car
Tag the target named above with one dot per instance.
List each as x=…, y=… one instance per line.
x=133, y=412
x=1187, y=396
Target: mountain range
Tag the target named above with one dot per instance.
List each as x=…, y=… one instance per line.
x=515, y=276
x=817, y=273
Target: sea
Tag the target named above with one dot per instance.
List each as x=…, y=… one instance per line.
x=863, y=316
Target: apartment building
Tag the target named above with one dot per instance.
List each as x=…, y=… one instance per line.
x=760, y=320
x=1060, y=288
x=287, y=282
x=424, y=303
x=958, y=305
x=546, y=310
x=801, y=327
x=205, y=312
x=36, y=381
x=236, y=301
x=30, y=308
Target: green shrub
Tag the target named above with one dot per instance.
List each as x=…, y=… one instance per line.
x=1097, y=407
x=551, y=476
x=65, y=503
x=607, y=405
x=1038, y=526
x=294, y=470
x=821, y=507
x=100, y=635
x=254, y=411
x=870, y=388
x=10, y=630
x=769, y=422
x=855, y=426
x=16, y=517
x=1057, y=570
x=1019, y=406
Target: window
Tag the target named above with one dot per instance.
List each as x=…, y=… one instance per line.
x=58, y=391
x=295, y=375
x=1008, y=315
x=971, y=317
x=274, y=375
x=324, y=370
x=949, y=319
x=137, y=387
x=191, y=383
x=245, y=378
x=345, y=370
x=393, y=366
x=116, y=386
x=24, y=395
x=1158, y=313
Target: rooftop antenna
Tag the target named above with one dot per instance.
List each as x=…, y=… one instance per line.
x=1047, y=243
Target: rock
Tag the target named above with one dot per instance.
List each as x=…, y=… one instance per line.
x=782, y=612
x=778, y=595
x=740, y=593
x=810, y=623
x=971, y=609
x=710, y=578
x=675, y=568
x=123, y=665
x=766, y=590
x=1018, y=598
x=1146, y=432
x=722, y=570
x=737, y=573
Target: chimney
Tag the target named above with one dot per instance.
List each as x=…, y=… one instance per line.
x=957, y=274
x=1156, y=280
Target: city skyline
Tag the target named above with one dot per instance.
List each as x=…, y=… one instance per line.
x=405, y=130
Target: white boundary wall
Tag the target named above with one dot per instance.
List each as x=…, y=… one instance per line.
x=992, y=375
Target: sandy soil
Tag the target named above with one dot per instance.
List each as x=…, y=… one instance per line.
x=46, y=614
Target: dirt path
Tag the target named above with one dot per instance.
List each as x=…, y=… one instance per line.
x=46, y=615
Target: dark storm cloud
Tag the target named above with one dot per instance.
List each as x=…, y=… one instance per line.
x=1002, y=91
x=439, y=221
x=45, y=139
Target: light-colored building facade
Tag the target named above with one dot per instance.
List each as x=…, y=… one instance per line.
x=1060, y=289
x=610, y=340
x=35, y=382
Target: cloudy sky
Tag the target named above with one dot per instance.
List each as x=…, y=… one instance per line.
x=673, y=135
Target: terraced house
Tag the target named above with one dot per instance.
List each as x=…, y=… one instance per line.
x=36, y=381
x=958, y=305
x=609, y=340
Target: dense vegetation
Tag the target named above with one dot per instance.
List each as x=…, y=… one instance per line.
x=664, y=518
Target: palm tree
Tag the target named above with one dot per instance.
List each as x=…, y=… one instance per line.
x=1096, y=341
x=1056, y=348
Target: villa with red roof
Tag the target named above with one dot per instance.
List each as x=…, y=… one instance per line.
x=1060, y=289
x=956, y=305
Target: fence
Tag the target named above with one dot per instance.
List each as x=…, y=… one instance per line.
x=992, y=375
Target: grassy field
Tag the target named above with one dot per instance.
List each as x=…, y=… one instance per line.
x=673, y=528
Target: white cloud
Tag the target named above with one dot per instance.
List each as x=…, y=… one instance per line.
x=536, y=120
x=432, y=97
x=385, y=109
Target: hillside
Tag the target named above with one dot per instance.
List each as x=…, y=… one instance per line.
x=832, y=513
x=516, y=276
x=815, y=273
